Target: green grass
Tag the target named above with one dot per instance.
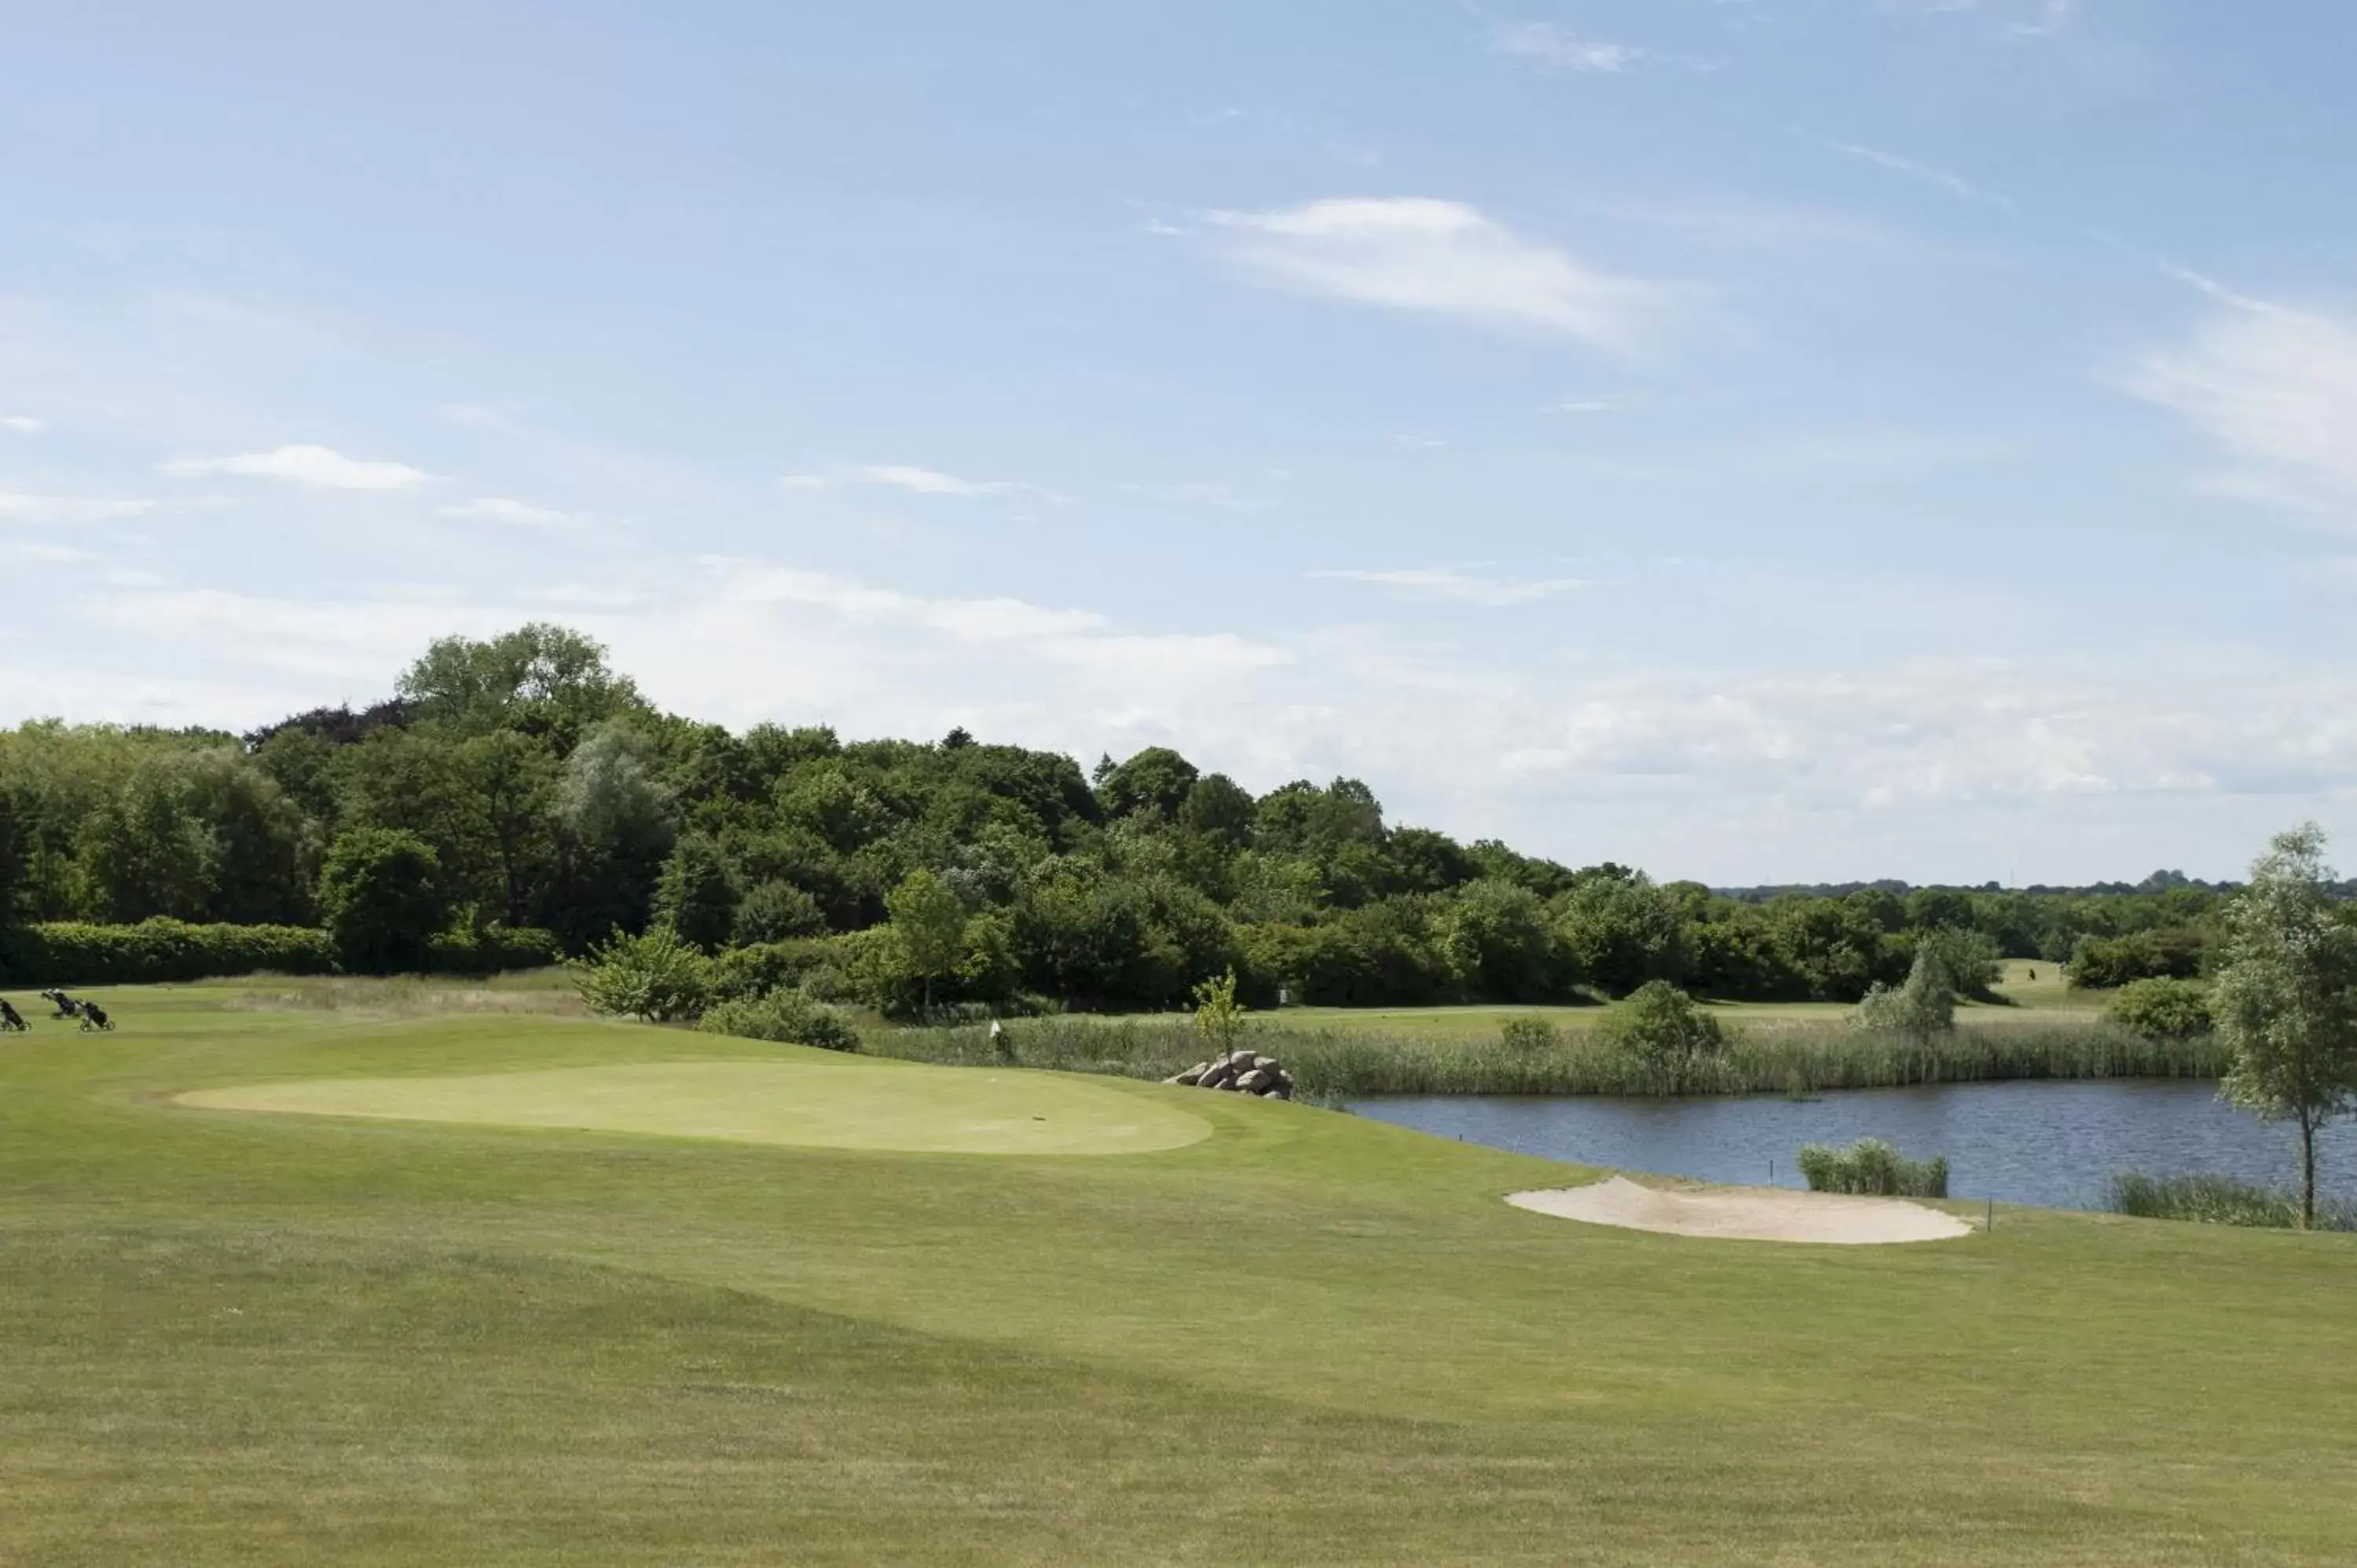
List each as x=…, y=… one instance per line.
x=249, y=1337
x=842, y=1103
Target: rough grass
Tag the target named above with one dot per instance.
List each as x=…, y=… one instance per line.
x=260, y=1339
x=2221, y=1200
x=1333, y=1065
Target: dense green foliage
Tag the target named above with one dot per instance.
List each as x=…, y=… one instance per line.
x=381, y=892
x=74, y=952
x=2221, y=1200
x=552, y=795
x=1874, y=1168
x=1660, y=1027
x=656, y=976
x=1922, y=1009
x=787, y=1018
x=2162, y=1009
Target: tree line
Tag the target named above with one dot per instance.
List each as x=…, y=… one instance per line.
x=520, y=784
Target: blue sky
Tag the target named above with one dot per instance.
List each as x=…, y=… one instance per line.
x=1757, y=439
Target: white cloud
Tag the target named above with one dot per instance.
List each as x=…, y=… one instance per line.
x=16, y=506
x=1461, y=587
x=500, y=509
x=1418, y=254
x=912, y=479
x=22, y=424
x=1955, y=185
x=1562, y=48
x=2275, y=390
x=927, y=481
x=318, y=467
x=42, y=553
x=2053, y=17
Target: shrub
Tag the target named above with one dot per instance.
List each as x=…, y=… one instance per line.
x=1661, y=1029
x=1969, y=957
x=788, y=1018
x=486, y=949
x=2162, y=1009
x=2221, y=1200
x=69, y=952
x=1873, y=1167
x=380, y=890
x=656, y=977
x=775, y=910
x=741, y=973
x=2102, y=963
x=1530, y=1033
x=1921, y=1010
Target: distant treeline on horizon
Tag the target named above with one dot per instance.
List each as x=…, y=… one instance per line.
x=521, y=785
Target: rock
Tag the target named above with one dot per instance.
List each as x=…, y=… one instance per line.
x=1252, y=1082
x=1264, y=1063
x=1279, y=1090
x=1189, y=1079
x=1215, y=1077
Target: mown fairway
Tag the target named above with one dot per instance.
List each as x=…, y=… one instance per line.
x=253, y=1337
x=2032, y=993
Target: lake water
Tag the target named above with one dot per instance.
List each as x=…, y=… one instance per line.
x=2053, y=1143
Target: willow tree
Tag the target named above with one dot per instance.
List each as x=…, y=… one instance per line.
x=2286, y=1000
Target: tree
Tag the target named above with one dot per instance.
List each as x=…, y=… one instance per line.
x=1659, y=1026
x=548, y=679
x=1158, y=781
x=776, y=909
x=929, y=919
x=695, y=896
x=382, y=894
x=514, y=780
x=2286, y=998
x=1219, y=1017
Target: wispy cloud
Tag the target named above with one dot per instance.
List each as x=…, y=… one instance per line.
x=1599, y=402
x=1559, y=47
x=500, y=509
x=318, y=468
x=1460, y=587
x=2053, y=17
x=1419, y=254
x=22, y=424
x=2274, y=387
x=18, y=507
x=911, y=479
x=1955, y=185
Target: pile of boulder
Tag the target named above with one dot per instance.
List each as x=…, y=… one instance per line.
x=1240, y=1072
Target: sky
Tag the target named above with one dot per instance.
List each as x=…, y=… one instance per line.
x=1756, y=440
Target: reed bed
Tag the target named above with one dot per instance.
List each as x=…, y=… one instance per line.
x=1332, y=1065
x=2221, y=1200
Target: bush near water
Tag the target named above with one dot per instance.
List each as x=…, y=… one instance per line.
x=2221, y=1200
x=1874, y=1168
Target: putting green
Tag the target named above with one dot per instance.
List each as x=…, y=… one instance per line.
x=848, y=1105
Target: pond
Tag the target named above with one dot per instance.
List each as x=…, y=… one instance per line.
x=2055, y=1144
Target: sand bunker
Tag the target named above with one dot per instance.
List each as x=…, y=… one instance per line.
x=1746, y=1214
x=850, y=1105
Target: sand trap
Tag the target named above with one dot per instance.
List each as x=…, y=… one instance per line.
x=1746, y=1214
x=850, y=1104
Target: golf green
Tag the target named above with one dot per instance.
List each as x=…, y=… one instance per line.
x=854, y=1105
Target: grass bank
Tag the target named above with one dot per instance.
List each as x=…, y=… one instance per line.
x=1334, y=1064
x=240, y=1336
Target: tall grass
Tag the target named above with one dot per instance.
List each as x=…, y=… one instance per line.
x=544, y=993
x=1341, y=1064
x=1873, y=1167
x=2221, y=1200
